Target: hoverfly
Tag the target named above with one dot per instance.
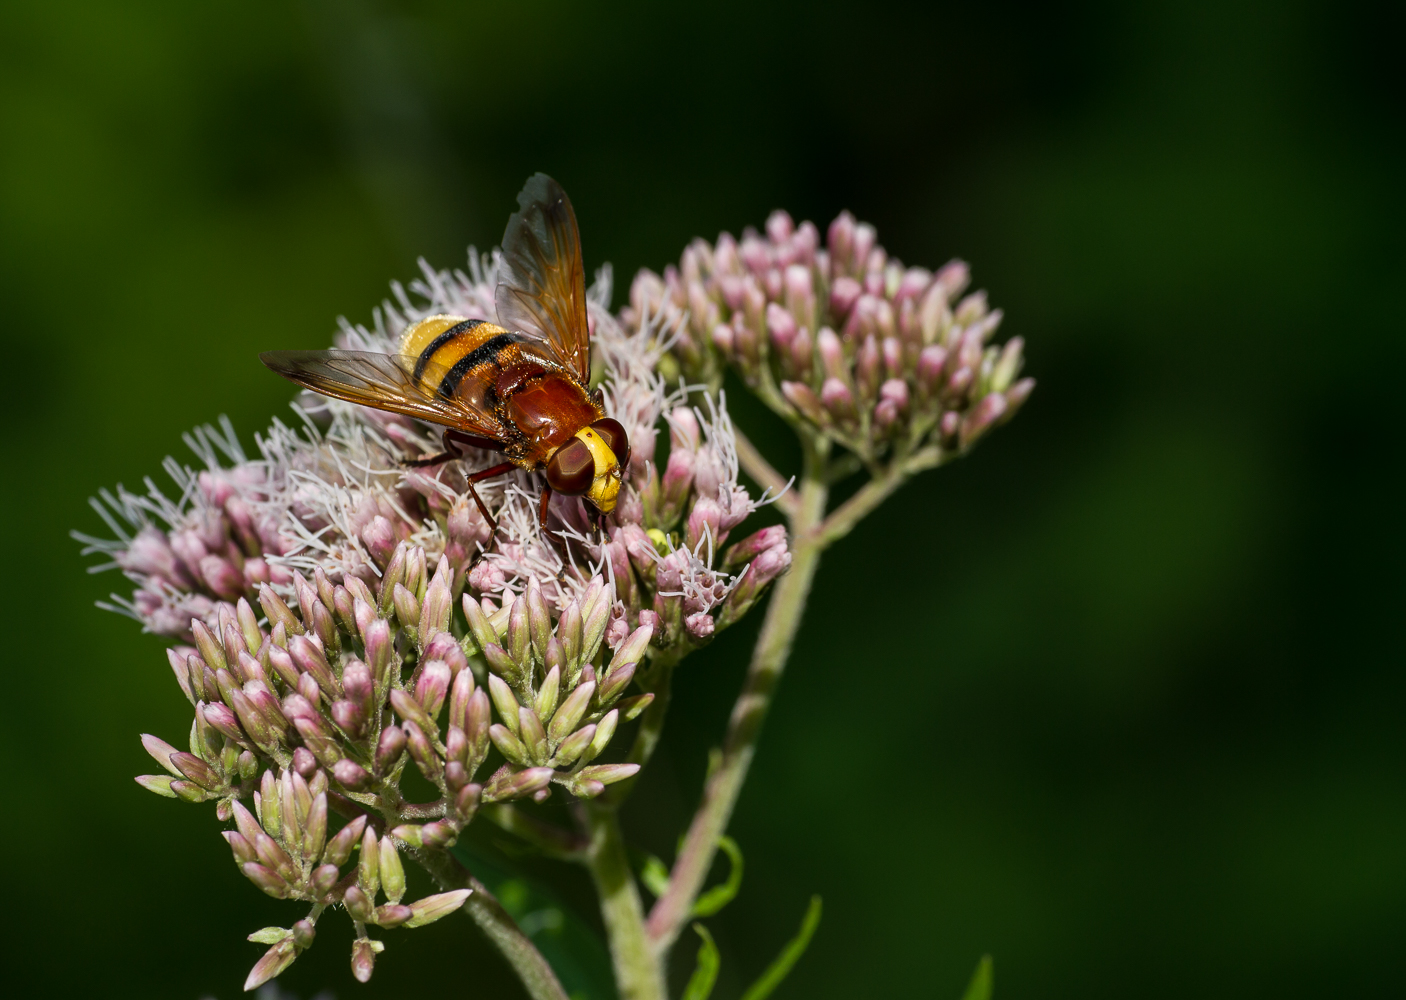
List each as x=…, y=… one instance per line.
x=521, y=388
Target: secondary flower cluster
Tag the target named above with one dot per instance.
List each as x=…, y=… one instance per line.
x=325, y=706
x=842, y=338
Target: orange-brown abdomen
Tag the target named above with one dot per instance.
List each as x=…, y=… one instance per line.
x=490, y=368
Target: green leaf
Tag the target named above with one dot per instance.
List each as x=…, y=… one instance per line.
x=655, y=876
x=719, y=896
x=982, y=979
x=700, y=984
x=795, y=948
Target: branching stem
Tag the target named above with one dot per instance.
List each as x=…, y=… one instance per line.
x=844, y=517
x=783, y=618
x=754, y=463
x=537, y=976
x=548, y=838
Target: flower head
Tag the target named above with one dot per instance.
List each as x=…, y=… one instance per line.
x=840, y=337
x=314, y=587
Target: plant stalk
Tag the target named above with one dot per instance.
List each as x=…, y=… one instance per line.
x=500, y=928
x=783, y=618
x=639, y=974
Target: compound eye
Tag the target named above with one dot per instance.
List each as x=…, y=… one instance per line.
x=571, y=469
x=615, y=439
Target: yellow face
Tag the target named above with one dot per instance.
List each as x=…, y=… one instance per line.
x=605, y=487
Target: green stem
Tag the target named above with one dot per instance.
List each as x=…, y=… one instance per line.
x=754, y=463
x=639, y=975
x=537, y=976
x=844, y=517
x=769, y=657
x=548, y=838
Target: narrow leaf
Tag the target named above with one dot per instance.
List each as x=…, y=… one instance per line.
x=982, y=980
x=719, y=896
x=795, y=948
x=700, y=984
x=655, y=876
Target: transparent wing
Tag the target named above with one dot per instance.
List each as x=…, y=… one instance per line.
x=384, y=382
x=541, y=285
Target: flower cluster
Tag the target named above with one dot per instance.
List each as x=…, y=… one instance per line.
x=333, y=495
x=344, y=617
x=840, y=338
x=328, y=704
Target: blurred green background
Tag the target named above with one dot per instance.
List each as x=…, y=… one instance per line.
x=1118, y=699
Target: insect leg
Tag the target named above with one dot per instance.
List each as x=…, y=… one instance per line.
x=479, y=477
x=471, y=440
x=451, y=450
x=542, y=509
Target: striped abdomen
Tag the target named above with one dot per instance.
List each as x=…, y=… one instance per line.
x=507, y=375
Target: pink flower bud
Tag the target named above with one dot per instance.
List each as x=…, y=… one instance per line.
x=357, y=683
x=221, y=577
x=188, y=547
x=982, y=417
x=256, y=573
x=433, y=686
x=805, y=240
x=892, y=352
x=800, y=294
x=832, y=354
x=379, y=538
x=1018, y=394
x=700, y=625
x=801, y=351
x=953, y=277
x=752, y=546
x=509, y=785
x=732, y=288
x=150, y=554
x=970, y=309
x=866, y=368
x=389, y=748
x=616, y=632
x=349, y=774
x=779, y=226
x=725, y=259
x=895, y=391
x=487, y=577
x=958, y=384
x=837, y=399
x=704, y=520
x=913, y=284
x=865, y=237
x=771, y=284
x=678, y=478
x=754, y=252
x=801, y=397
x=782, y=327
x=840, y=241
x=931, y=360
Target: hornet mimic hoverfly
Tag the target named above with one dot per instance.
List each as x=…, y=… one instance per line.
x=520, y=388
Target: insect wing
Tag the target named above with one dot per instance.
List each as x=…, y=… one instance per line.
x=384, y=382
x=541, y=285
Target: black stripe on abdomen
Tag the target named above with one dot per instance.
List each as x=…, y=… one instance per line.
x=485, y=351
x=444, y=338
